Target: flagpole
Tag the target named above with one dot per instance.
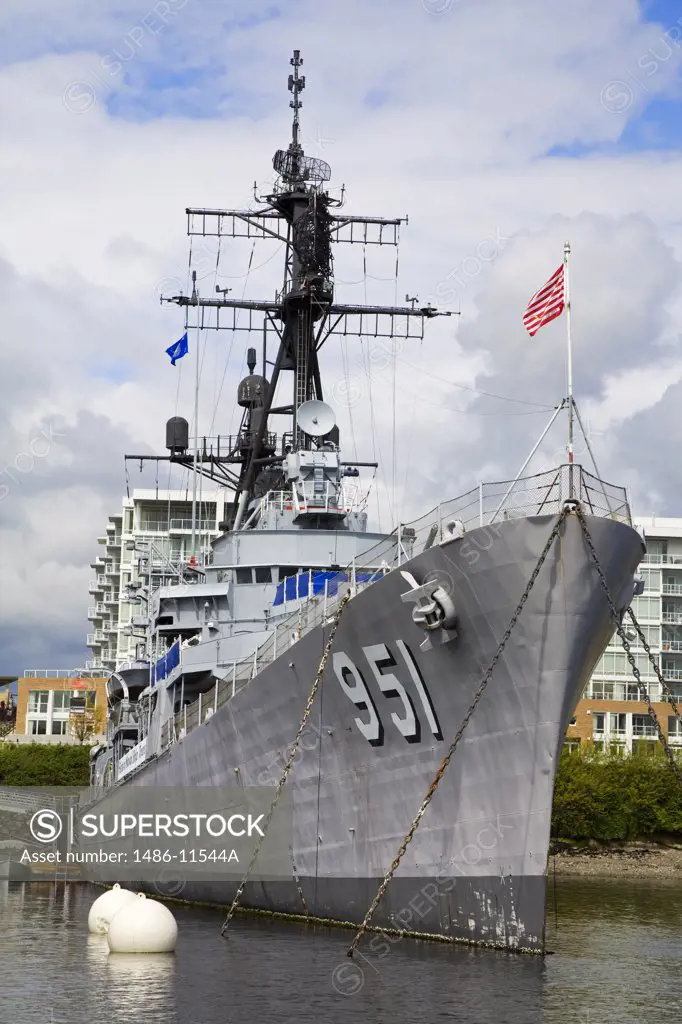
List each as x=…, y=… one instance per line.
x=569, y=366
x=196, y=419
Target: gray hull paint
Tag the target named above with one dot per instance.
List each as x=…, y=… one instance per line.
x=476, y=868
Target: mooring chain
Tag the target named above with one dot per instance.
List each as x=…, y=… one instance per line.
x=664, y=685
x=290, y=759
x=643, y=691
x=453, y=746
x=299, y=890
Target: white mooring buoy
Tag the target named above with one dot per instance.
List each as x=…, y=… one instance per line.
x=104, y=908
x=143, y=926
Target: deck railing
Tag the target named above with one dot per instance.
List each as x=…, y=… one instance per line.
x=541, y=494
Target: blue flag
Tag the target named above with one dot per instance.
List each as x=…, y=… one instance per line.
x=179, y=349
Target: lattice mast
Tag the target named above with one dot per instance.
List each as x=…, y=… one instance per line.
x=302, y=316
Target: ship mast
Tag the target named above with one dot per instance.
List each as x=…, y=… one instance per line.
x=298, y=212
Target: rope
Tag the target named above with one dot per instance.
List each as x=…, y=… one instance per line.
x=664, y=685
x=643, y=691
x=290, y=760
x=465, y=721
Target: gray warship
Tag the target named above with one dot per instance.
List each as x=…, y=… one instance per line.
x=415, y=616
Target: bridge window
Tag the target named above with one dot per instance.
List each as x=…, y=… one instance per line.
x=287, y=570
x=244, y=576
x=263, y=574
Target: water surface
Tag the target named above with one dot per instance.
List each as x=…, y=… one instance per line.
x=617, y=960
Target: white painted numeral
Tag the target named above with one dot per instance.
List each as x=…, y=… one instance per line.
x=378, y=655
x=420, y=687
x=360, y=695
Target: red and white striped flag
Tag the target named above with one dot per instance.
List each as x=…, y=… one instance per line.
x=547, y=304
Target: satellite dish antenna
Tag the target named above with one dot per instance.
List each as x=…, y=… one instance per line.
x=315, y=418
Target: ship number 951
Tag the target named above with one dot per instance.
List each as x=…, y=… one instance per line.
x=381, y=663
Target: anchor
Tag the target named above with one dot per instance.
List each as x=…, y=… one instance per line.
x=434, y=610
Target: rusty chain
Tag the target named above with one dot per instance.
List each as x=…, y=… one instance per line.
x=643, y=691
x=290, y=759
x=453, y=746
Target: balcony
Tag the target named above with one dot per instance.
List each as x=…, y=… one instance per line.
x=671, y=646
x=673, y=618
x=643, y=729
x=672, y=588
x=652, y=559
x=111, y=599
x=113, y=570
x=94, y=587
x=97, y=611
x=185, y=526
x=96, y=639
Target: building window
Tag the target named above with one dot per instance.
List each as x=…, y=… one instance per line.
x=37, y=701
x=652, y=580
x=37, y=727
x=643, y=725
x=59, y=728
x=647, y=608
x=599, y=723
x=618, y=723
x=61, y=700
x=572, y=722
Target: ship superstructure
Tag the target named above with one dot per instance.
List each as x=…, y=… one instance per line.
x=418, y=614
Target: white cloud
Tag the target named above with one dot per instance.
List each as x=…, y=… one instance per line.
x=92, y=208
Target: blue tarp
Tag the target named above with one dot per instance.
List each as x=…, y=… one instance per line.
x=165, y=665
x=295, y=587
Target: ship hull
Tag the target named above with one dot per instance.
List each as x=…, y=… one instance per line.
x=476, y=868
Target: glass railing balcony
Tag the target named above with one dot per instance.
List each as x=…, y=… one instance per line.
x=644, y=732
x=202, y=525
x=656, y=559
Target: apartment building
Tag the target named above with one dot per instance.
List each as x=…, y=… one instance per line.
x=611, y=710
x=50, y=703
x=140, y=549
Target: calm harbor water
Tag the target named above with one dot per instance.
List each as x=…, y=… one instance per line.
x=618, y=955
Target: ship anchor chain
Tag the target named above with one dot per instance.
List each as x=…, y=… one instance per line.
x=567, y=509
x=287, y=768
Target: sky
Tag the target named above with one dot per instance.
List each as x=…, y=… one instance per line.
x=502, y=130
